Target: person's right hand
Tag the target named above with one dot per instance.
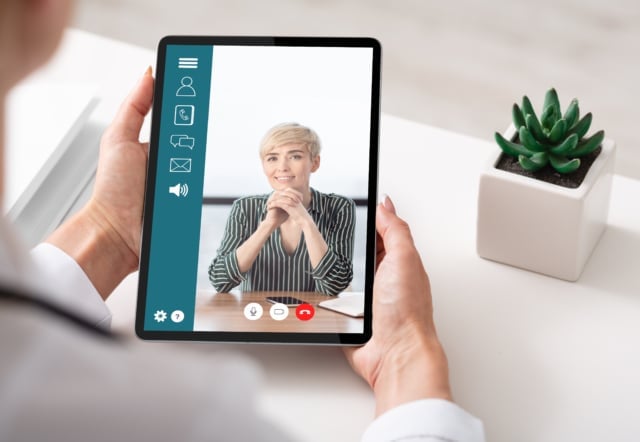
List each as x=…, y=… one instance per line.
x=275, y=215
x=403, y=361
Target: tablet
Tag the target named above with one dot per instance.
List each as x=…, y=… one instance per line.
x=261, y=186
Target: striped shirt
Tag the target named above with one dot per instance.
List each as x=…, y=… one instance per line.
x=276, y=270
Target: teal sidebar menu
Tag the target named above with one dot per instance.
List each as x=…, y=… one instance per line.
x=177, y=207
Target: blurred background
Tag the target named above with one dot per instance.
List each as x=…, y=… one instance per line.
x=458, y=65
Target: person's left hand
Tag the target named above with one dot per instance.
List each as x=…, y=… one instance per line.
x=120, y=179
x=104, y=236
x=290, y=200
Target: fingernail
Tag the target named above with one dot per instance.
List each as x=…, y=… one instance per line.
x=148, y=72
x=388, y=204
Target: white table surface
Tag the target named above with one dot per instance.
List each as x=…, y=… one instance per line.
x=537, y=359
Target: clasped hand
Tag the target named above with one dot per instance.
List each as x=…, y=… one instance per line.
x=286, y=204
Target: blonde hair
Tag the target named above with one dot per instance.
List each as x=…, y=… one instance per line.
x=290, y=133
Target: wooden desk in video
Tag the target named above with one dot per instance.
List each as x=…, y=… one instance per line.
x=225, y=312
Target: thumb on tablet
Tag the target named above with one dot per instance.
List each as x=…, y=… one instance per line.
x=128, y=121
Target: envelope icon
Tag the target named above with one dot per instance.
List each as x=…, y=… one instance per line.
x=180, y=165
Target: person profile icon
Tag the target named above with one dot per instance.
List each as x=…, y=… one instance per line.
x=186, y=89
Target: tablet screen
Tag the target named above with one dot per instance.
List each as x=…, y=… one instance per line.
x=261, y=186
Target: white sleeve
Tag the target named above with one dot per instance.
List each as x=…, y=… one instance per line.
x=59, y=383
x=426, y=420
x=66, y=284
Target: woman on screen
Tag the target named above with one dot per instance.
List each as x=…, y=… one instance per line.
x=293, y=239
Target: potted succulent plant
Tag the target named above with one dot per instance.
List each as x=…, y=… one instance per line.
x=543, y=200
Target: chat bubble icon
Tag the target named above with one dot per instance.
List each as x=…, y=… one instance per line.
x=182, y=141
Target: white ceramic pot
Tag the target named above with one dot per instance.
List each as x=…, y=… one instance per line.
x=541, y=226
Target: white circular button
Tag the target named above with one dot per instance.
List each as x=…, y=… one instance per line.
x=253, y=311
x=177, y=316
x=279, y=312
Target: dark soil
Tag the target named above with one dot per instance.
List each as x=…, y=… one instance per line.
x=548, y=174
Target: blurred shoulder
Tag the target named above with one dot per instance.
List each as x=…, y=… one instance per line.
x=324, y=201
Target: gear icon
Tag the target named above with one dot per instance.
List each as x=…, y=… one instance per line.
x=160, y=316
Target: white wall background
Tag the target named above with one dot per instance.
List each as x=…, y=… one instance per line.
x=255, y=88
x=458, y=65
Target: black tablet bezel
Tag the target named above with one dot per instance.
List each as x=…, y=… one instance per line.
x=262, y=337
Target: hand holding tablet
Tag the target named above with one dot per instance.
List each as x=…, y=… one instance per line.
x=262, y=183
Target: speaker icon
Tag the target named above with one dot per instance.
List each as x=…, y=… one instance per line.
x=179, y=190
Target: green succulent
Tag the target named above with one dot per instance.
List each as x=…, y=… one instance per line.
x=555, y=139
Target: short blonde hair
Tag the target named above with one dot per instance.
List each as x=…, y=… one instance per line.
x=290, y=133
